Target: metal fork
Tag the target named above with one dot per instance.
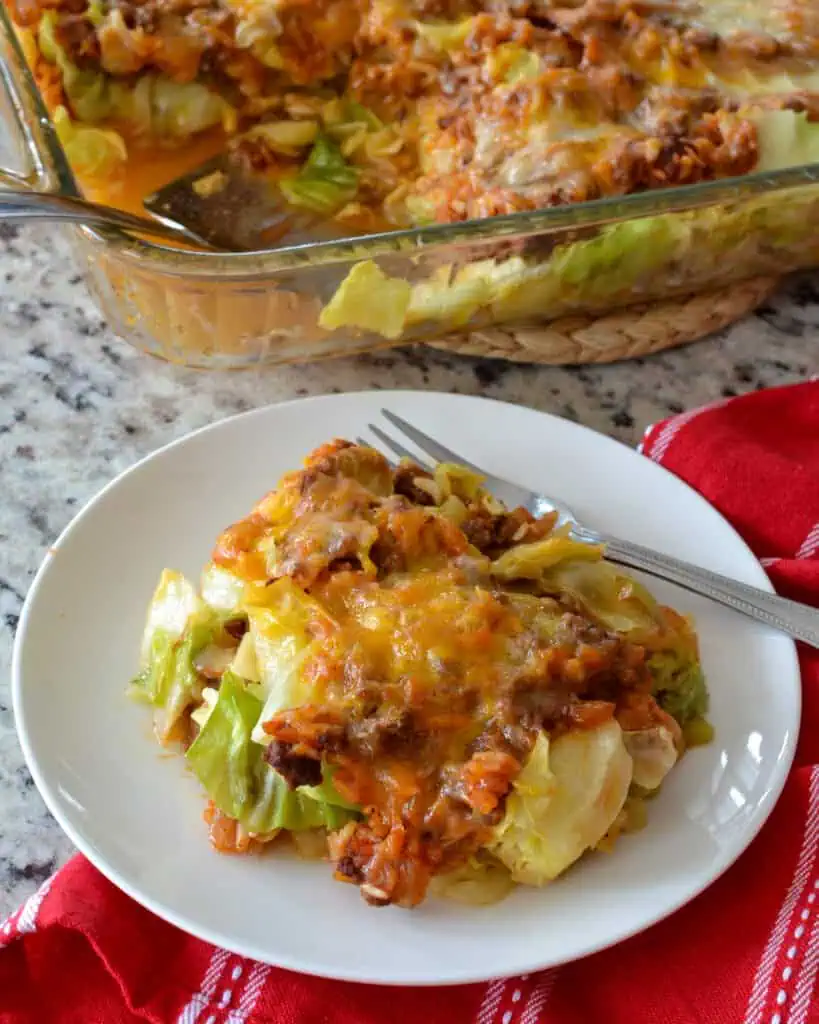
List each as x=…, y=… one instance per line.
x=791, y=617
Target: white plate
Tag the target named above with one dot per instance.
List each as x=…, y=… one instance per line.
x=136, y=814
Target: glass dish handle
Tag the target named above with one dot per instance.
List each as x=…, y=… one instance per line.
x=17, y=168
x=31, y=155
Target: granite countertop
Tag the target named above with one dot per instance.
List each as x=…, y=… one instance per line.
x=77, y=406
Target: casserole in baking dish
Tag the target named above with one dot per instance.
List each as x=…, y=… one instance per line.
x=498, y=162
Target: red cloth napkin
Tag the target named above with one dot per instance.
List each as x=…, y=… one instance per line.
x=746, y=950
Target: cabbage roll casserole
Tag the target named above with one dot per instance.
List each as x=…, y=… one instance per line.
x=392, y=671
x=381, y=114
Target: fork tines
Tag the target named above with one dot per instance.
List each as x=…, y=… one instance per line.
x=435, y=451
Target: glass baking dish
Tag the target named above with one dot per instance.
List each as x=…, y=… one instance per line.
x=339, y=298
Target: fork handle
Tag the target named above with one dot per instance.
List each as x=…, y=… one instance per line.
x=797, y=620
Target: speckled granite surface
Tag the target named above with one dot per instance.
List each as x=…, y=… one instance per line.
x=77, y=406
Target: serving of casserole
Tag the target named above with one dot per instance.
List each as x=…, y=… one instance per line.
x=514, y=160
x=392, y=670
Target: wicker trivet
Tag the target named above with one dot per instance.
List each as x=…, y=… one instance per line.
x=623, y=334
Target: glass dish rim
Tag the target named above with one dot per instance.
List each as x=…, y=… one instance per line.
x=47, y=155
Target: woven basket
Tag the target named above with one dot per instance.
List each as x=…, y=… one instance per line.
x=624, y=334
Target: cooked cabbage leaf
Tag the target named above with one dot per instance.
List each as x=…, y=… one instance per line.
x=202, y=712
x=231, y=768
x=679, y=683
x=173, y=603
x=160, y=107
x=786, y=139
x=325, y=182
x=533, y=561
x=93, y=152
x=609, y=595
x=370, y=300
x=458, y=481
x=343, y=115
x=446, y=37
x=746, y=84
x=284, y=136
x=625, y=606
x=221, y=589
x=442, y=301
x=612, y=262
x=156, y=105
x=280, y=631
x=478, y=883
x=512, y=63
x=178, y=627
x=244, y=663
x=95, y=12
x=654, y=754
x=564, y=801
x=88, y=90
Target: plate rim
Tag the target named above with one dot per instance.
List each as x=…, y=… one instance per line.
x=53, y=801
